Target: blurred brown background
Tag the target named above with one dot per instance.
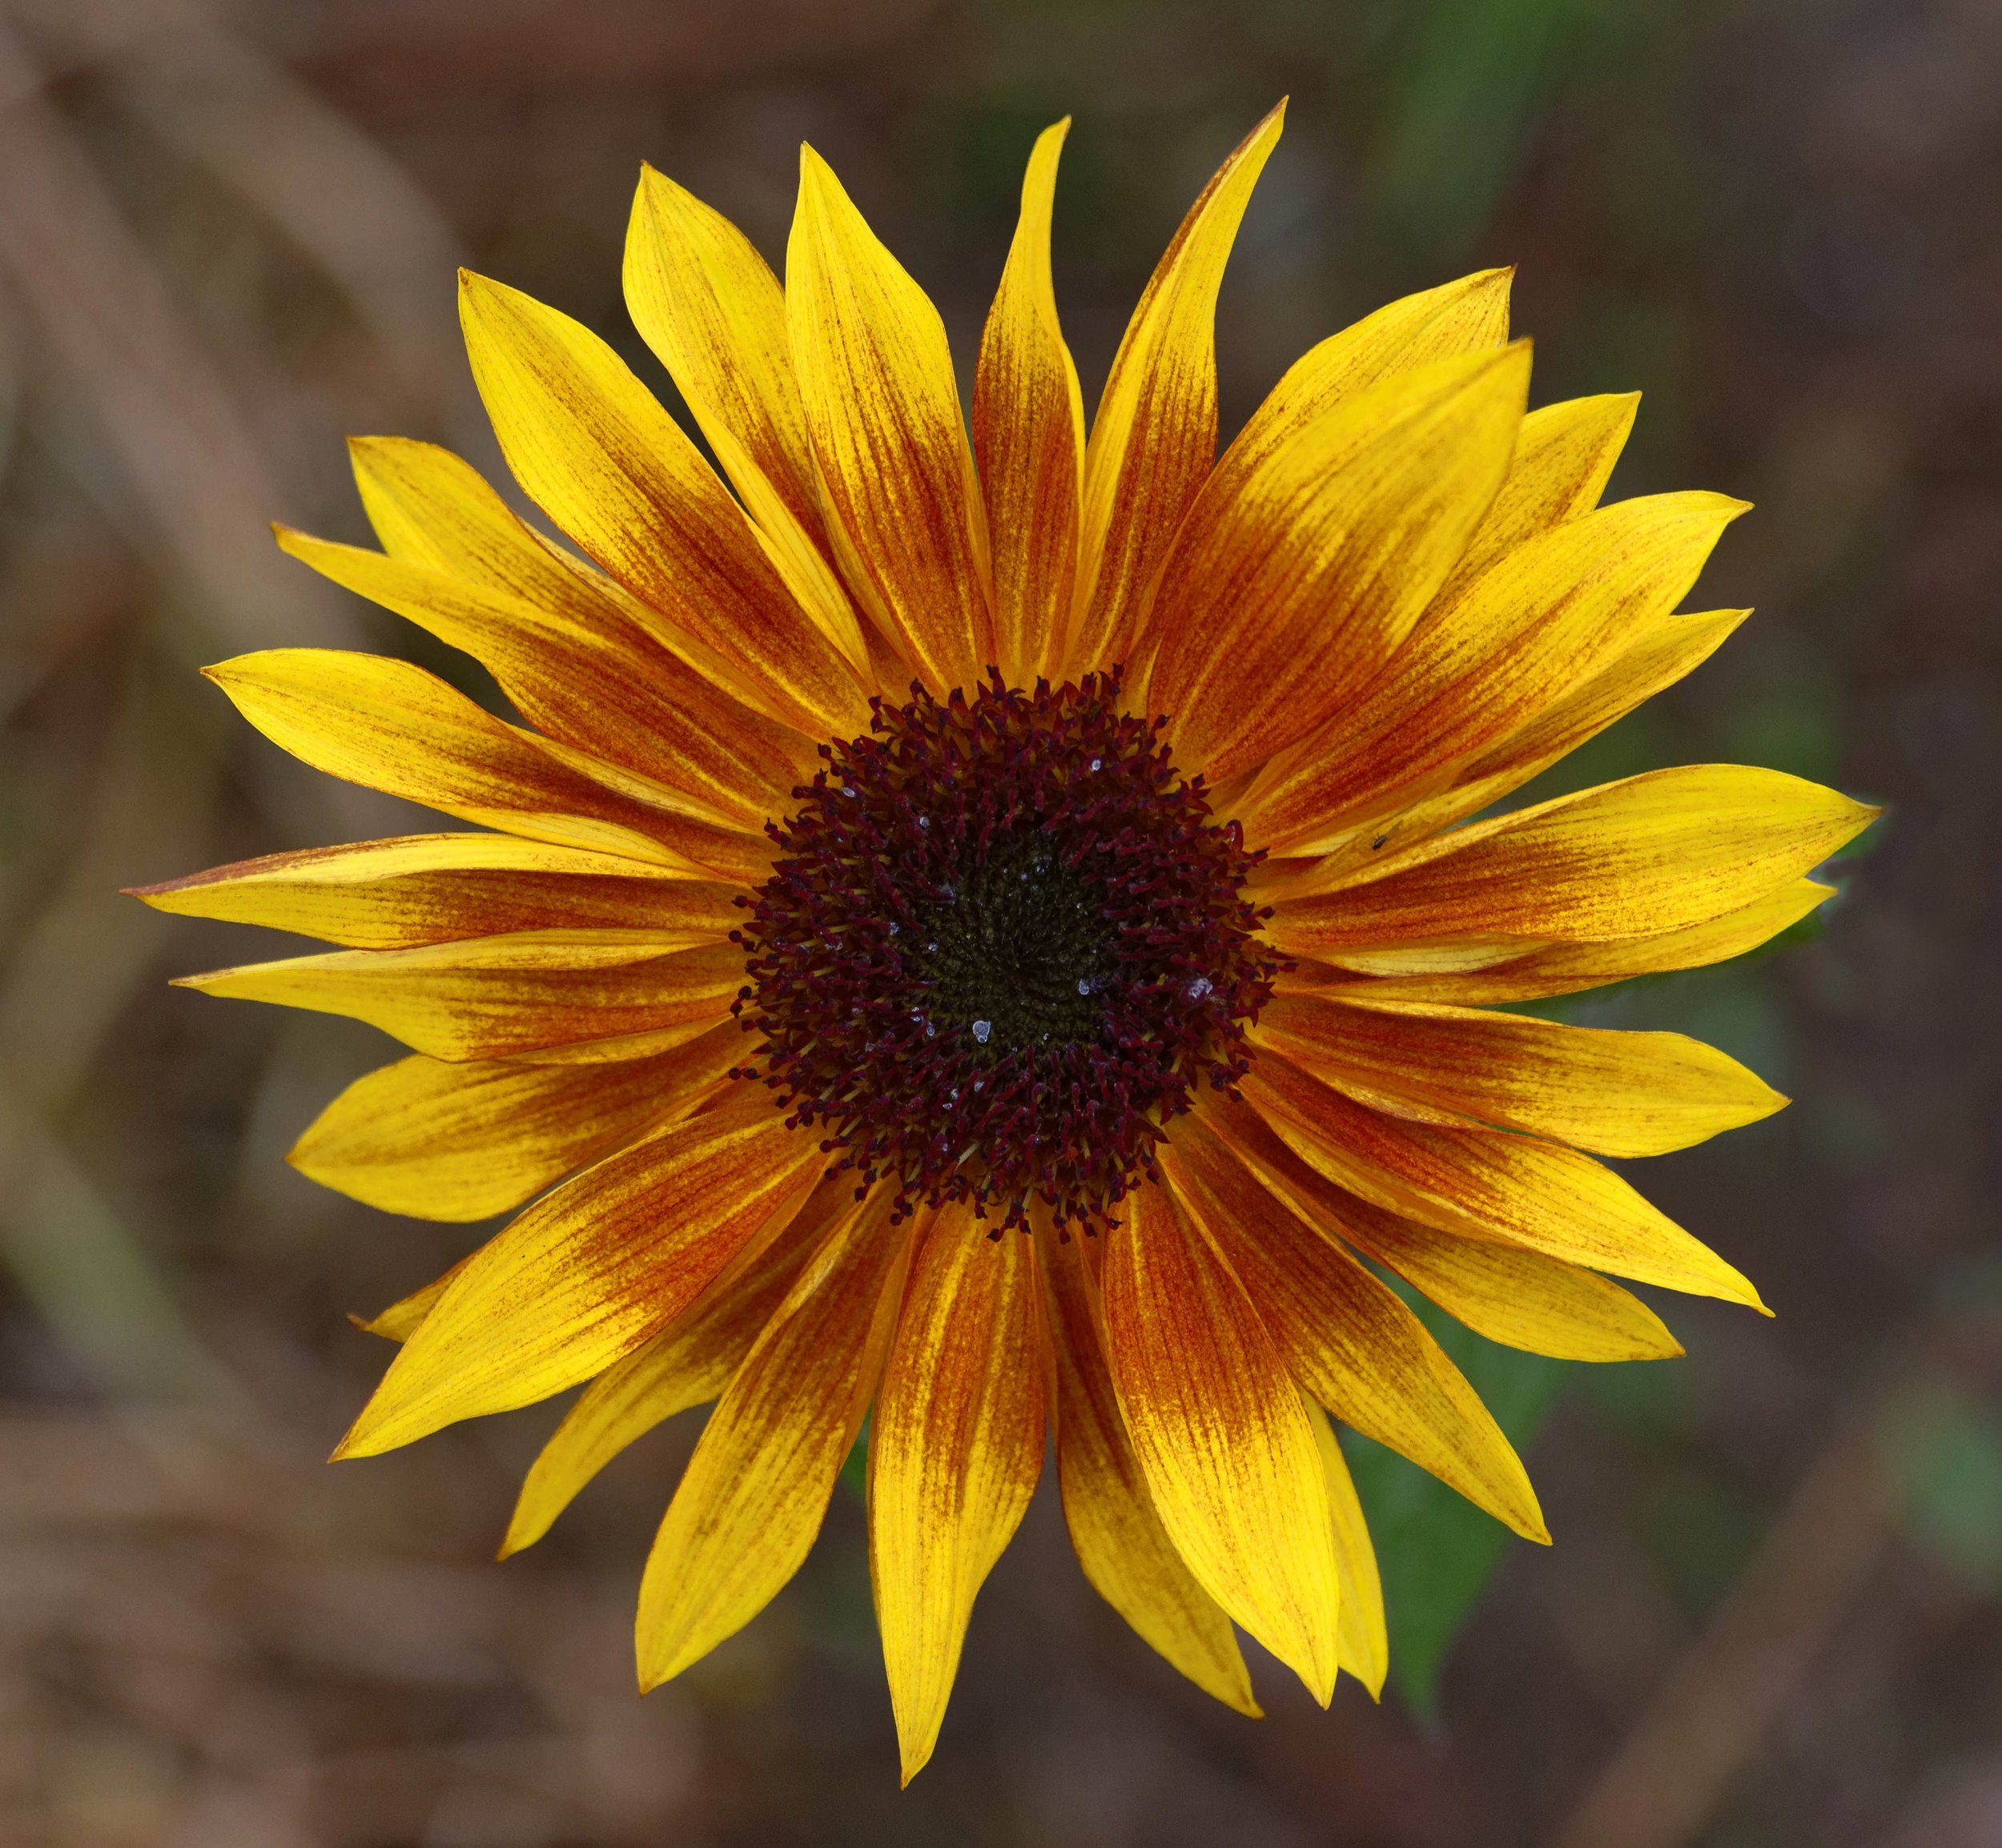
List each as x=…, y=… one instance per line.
x=227, y=234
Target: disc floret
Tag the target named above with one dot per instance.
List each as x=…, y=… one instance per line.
x=1004, y=944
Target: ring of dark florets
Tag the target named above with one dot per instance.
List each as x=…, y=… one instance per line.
x=1003, y=945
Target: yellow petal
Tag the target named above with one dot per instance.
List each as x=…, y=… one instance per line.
x=1280, y=600
x=1362, y=1638
x=1517, y=1297
x=487, y=997
x=1345, y=1336
x=1508, y=1188
x=390, y=726
x=710, y=306
x=440, y=1141
x=592, y=1271
x=1566, y=968
x=1451, y=322
x=631, y=702
x=1563, y=456
x=1120, y=1543
x=1217, y=1423
x=406, y=1315
x=1616, y=1093
x=875, y=375
x=596, y=451
x=1657, y=658
x=434, y=888
x=1028, y=433
x=956, y=1446
x=1520, y=1298
x=1499, y=653
x=1154, y=436
x=757, y=1487
x=432, y=510
x=1656, y=852
x=688, y=1363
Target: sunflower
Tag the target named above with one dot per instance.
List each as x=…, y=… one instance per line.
x=1001, y=931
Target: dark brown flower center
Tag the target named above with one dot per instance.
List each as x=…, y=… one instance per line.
x=1004, y=945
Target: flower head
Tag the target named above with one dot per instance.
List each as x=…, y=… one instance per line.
x=1001, y=935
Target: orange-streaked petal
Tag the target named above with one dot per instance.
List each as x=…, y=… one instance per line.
x=1450, y=322
x=1515, y=641
x=1656, y=852
x=710, y=306
x=1028, y=435
x=430, y=508
x=1362, y=1637
x=488, y=996
x=391, y=726
x=757, y=1487
x=1520, y=1298
x=406, y=1315
x=956, y=1446
x=1660, y=657
x=1119, y=1542
x=1481, y=1184
x=1216, y=1422
x=875, y=376
x=1281, y=600
x=636, y=706
x=1345, y=1336
x=1566, y=968
x=1616, y=1093
x=1154, y=436
x=600, y=455
x=1563, y=455
x=591, y=1271
x=688, y=1363
x=435, y=888
x=464, y=1142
